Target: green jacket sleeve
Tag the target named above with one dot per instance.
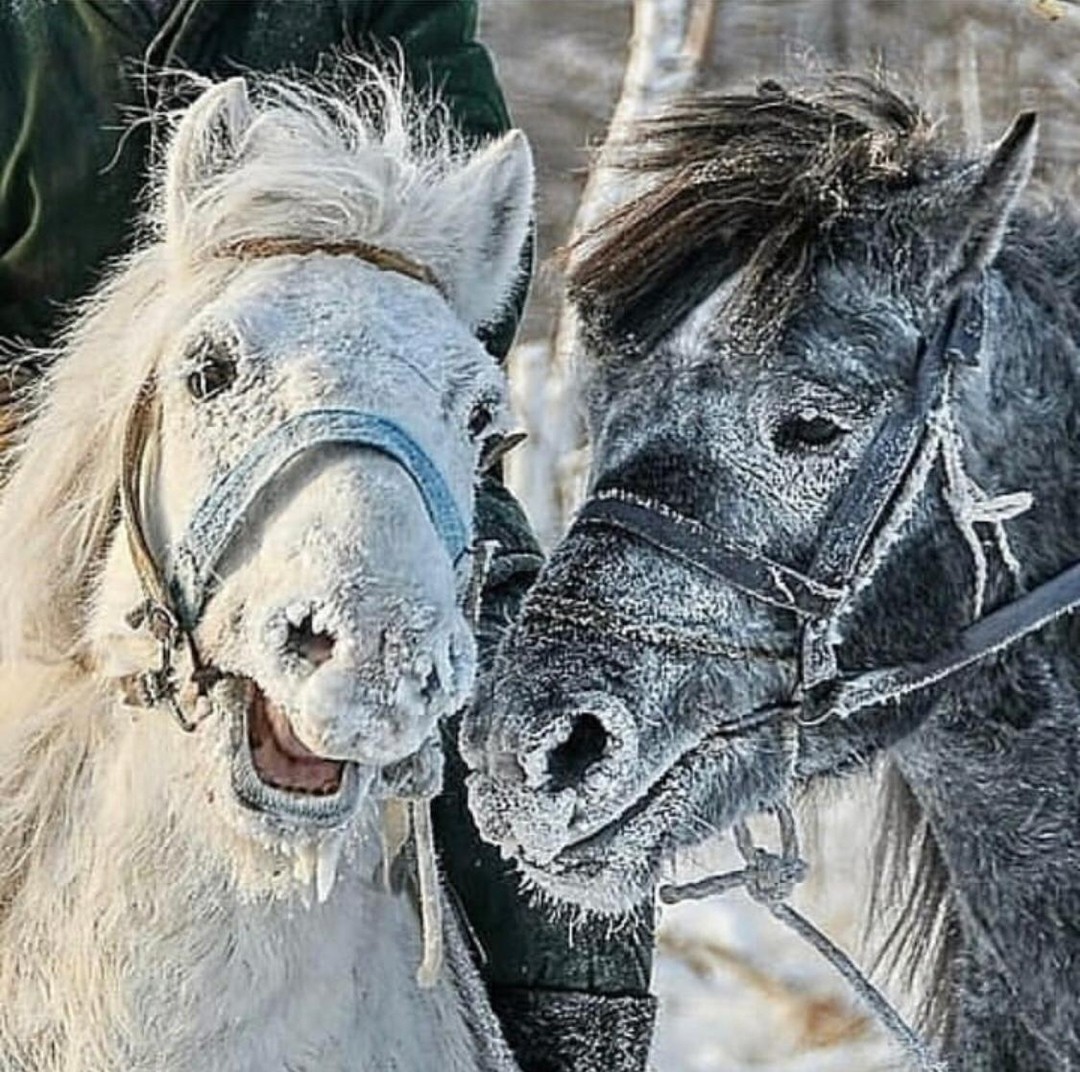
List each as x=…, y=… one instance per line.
x=68, y=183
x=441, y=51
x=72, y=165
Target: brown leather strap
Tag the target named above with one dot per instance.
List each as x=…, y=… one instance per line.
x=387, y=260
x=157, y=614
x=140, y=424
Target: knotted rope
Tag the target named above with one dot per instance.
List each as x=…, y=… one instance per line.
x=770, y=879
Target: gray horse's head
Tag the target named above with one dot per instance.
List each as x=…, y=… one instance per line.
x=754, y=321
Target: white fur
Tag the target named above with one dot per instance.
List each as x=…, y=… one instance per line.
x=146, y=920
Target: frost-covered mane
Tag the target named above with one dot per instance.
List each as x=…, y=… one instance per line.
x=367, y=161
x=738, y=178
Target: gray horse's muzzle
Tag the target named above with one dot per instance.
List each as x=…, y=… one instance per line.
x=538, y=778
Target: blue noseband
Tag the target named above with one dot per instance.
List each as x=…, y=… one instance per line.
x=224, y=510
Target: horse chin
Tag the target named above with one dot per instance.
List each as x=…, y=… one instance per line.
x=277, y=777
x=614, y=886
x=614, y=869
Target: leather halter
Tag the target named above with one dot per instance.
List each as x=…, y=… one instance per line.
x=856, y=539
x=177, y=590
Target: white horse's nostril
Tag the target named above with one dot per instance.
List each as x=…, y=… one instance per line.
x=305, y=640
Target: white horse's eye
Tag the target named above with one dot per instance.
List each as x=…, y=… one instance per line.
x=480, y=418
x=214, y=369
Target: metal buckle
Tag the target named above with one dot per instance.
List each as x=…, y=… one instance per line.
x=818, y=655
x=157, y=687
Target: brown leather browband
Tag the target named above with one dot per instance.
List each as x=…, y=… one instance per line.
x=387, y=260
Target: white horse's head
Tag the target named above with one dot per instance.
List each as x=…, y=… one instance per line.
x=290, y=381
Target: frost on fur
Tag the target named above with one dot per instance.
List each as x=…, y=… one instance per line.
x=216, y=899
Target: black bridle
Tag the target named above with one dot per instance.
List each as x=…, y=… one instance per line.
x=890, y=478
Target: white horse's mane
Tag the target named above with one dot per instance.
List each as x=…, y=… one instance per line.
x=362, y=160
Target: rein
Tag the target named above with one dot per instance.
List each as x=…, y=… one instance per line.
x=770, y=879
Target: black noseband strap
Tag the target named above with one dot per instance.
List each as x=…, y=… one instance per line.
x=703, y=549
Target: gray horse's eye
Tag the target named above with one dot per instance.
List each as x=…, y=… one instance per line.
x=808, y=430
x=213, y=371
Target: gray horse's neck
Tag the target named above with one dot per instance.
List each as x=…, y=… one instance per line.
x=995, y=767
x=995, y=772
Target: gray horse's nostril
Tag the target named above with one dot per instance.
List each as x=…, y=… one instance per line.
x=312, y=645
x=570, y=761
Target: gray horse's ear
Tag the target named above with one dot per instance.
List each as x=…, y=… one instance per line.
x=986, y=204
x=206, y=142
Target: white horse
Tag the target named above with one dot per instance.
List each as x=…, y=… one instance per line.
x=265, y=426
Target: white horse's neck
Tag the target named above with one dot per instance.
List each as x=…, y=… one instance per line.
x=127, y=944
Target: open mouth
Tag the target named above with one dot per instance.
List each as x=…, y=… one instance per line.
x=276, y=774
x=280, y=758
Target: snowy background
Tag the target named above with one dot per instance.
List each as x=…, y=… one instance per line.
x=738, y=992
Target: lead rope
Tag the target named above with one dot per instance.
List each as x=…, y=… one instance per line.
x=770, y=879
x=431, y=923
x=404, y=817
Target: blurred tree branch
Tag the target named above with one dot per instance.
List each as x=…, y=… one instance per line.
x=670, y=43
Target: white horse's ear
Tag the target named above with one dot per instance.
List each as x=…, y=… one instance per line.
x=206, y=142
x=490, y=203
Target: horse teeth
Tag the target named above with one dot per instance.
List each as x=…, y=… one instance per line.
x=295, y=613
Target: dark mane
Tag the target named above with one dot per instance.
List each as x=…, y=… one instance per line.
x=741, y=179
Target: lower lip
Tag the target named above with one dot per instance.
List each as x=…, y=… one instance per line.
x=281, y=805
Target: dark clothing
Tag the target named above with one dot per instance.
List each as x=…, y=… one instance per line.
x=72, y=170
x=74, y=167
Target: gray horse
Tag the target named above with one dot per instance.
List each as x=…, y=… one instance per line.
x=833, y=394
